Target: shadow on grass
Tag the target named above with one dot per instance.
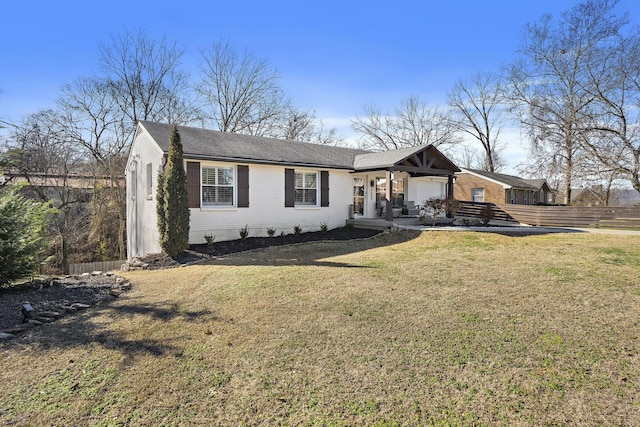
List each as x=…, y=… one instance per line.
x=92, y=326
x=312, y=253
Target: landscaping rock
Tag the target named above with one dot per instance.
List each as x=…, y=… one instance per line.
x=126, y=286
x=80, y=306
x=115, y=292
x=6, y=336
x=54, y=314
x=18, y=328
x=54, y=298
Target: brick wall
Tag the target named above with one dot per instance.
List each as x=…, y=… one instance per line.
x=493, y=193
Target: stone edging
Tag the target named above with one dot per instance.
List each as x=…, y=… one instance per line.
x=49, y=313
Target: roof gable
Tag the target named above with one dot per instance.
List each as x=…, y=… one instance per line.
x=420, y=160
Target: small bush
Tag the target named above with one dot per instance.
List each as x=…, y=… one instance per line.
x=349, y=225
x=271, y=231
x=486, y=214
x=324, y=227
x=244, y=232
x=297, y=230
x=210, y=238
x=438, y=207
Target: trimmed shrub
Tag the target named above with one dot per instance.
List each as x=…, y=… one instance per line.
x=175, y=238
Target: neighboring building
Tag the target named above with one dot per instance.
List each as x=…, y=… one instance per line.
x=238, y=180
x=597, y=195
x=490, y=187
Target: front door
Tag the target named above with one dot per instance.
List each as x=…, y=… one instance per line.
x=358, y=196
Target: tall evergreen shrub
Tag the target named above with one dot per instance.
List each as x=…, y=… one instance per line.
x=23, y=224
x=175, y=238
x=162, y=224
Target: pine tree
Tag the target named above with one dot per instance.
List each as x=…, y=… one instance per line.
x=23, y=224
x=175, y=238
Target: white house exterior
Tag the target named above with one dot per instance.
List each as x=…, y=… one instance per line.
x=261, y=183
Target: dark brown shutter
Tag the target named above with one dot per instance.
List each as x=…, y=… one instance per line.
x=243, y=186
x=193, y=184
x=289, y=188
x=324, y=188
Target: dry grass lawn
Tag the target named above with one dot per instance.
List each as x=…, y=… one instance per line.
x=432, y=328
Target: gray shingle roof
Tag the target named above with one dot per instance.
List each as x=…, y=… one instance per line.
x=204, y=144
x=207, y=144
x=510, y=180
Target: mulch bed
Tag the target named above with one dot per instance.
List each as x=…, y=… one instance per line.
x=204, y=251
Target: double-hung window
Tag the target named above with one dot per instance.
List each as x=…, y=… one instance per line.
x=306, y=188
x=218, y=185
x=477, y=194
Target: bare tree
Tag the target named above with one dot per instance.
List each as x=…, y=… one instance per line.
x=95, y=123
x=48, y=160
x=548, y=80
x=141, y=81
x=413, y=123
x=145, y=79
x=302, y=125
x=478, y=106
x=241, y=92
x=614, y=127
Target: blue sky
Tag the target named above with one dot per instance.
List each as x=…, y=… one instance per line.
x=334, y=56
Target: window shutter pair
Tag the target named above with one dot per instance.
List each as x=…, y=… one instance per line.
x=290, y=184
x=193, y=185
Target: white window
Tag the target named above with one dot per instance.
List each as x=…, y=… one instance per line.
x=217, y=185
x=306, y=188
x=149, y=182
x=477, y=194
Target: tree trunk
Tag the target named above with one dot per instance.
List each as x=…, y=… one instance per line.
x=65, y=243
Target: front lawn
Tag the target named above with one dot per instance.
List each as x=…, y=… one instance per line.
x=432, y=328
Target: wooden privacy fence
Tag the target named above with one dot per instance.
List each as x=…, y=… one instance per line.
x=575, y=216
x=476, y=210
x=88, y=267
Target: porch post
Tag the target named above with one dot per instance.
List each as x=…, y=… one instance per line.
x=449, y=195
x=389, y=196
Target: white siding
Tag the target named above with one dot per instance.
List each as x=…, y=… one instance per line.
x=266, y=207
x=142, y=230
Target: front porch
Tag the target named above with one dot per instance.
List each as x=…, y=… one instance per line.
x=390, y=184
